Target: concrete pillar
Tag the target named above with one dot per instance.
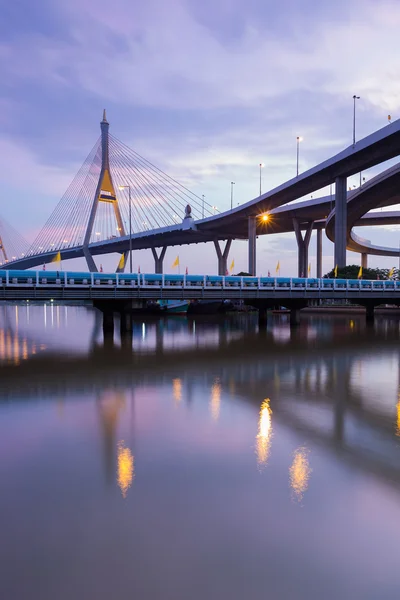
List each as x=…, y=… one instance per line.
x=319, y=253
x=370, y=313
x=108, y=326
x=294, y=317
x=364, y=260
x=302, y=245
x=340, y=221
x=222, y=256
x=262, y=317
x=252, y=244
x=158, y=259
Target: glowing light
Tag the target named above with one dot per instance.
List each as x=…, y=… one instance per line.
x=126, y=468
x=265, y=218
x=215, y=400
x=177, y=389
x=264, y=435
x=299, y=473
x=398, y=417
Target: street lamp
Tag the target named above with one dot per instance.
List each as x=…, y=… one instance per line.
x=261, y=166
x=214, y=209
x=128, y=187
x=232, y=184
x=354, y=118
x=202, y=208
x=298, y=140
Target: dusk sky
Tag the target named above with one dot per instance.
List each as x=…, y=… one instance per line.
x=205, y=90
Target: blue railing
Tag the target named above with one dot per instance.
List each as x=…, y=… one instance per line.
x=142, y=280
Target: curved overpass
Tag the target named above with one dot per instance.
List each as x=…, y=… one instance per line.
x=360, y=202
x=376, y=148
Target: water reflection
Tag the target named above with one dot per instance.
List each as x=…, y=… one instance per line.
x=126, y=469
x=335, y=398
x=215, y=400
x=264, y=436
x=299, y=473
x=177, y=389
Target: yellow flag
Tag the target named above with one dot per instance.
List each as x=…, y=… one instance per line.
x=57, y=257
x=278, y=267
x=359, y=273
x=309, y=268
x=391, y=272
x=335, y=271
x=176, y=262
x=232, y=265
x=121, y=263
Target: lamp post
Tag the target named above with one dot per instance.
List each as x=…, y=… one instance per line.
x=232, y=184
x=128, y=187
x=298, y=140
x=354, y=118
x=202, y=209
x=261, y=166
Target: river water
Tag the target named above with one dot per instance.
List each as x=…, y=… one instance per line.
x=199, y=459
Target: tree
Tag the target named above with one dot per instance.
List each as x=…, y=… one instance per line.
x=352, y=271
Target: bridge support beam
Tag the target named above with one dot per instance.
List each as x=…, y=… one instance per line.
x=252, y=225
x=370, y=313
x=364, y=260
x=319, y=253
x=89, y=260
x=159, y=259
x=222, y=256
x=302, y=245
x=340, y=221
x=262, y=316
x=121, y=267
x=294, y=317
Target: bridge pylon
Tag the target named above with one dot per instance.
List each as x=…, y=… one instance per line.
x=3, y=253
x=105, y=192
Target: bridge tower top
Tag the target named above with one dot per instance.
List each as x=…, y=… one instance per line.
x=105, y=192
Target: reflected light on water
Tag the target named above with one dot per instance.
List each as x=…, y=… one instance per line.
x=215, y=401
x=177, y=389
x=398, y=417
x=264, y=435
x=299, y=473
x=126, y=468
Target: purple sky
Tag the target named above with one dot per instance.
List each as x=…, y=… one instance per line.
x=204, y=90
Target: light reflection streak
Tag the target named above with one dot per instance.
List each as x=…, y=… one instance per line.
x=398, y=416
x=177, y=389
x=215, y=400
x=299, y=473
x=126, y=468
x=264, y=435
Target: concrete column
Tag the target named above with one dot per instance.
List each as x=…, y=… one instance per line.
x=294, y=317
x=302, y=246
x=159, y=259
x=108, y=327
x=222, y=256
x=252, y=244
x=340, y=221
x=89, y=260
x=319, y=253
x=369, y=313
x=262, y=316
x=364, y=260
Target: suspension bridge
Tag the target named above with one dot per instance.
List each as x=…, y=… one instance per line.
x=119, y=202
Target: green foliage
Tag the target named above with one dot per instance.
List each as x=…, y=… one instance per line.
x=242, y=274
x=351, y=272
